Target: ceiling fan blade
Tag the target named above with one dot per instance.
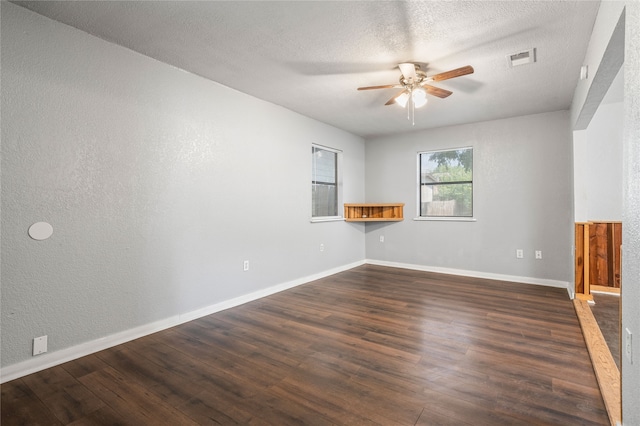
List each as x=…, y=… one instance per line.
x=386, y=86
x=436, y=91
x=452, y=74
x=408, y=71
x=393, y=100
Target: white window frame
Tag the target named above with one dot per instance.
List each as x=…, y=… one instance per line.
x=419, y=188
x=339, y=203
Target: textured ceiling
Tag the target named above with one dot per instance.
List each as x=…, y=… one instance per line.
x=311, y=56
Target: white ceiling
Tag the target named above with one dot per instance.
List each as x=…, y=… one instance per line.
x=310, y=56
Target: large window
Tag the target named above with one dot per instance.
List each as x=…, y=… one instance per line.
x=325, y=182
x=446, y=183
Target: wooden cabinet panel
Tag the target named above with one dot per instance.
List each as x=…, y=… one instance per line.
x=598, y=254
x=579, y=258
x=617, y=254
x=597, y=258
x=604, y=253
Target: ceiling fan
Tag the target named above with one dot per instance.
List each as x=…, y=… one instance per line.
x=414, y=85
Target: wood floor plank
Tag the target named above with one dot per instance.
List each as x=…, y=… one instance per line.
x=21, y=406
x=103, y=416
x=214, y=408
x=165, y=384
x=372, y=345
x=65, y=397
x=85, y=365
x=124, y=395
x=443, y=409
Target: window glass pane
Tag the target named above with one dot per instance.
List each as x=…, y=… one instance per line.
x=446, y=166
x=324, y=163
x=446, y=200
x=324, y=182
x=446, y=183
x=325, y=200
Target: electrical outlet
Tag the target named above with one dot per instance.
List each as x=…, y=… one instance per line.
x=246, y=265
x=538, y=254
x=628, y=348
x=321, y=247
x=519, y=254
x=39, y=345
x=382, y=238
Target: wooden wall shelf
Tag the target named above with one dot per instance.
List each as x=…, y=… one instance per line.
x=373, y=212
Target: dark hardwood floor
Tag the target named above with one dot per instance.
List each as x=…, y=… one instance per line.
x=372, y=345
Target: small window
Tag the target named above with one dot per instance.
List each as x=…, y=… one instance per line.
x=325, y=182
x=446, y=183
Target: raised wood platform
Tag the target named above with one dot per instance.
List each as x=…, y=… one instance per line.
x=604, y=365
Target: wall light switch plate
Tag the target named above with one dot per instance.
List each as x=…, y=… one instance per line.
x=628, y=345
x=519, y=254
x=39, y=345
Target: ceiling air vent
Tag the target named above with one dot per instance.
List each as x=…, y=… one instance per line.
x=522, y=58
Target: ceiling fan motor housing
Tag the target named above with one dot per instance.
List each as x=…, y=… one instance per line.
x=407, y=82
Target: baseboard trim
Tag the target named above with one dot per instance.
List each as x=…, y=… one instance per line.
x=474, y=274
x=51, y=359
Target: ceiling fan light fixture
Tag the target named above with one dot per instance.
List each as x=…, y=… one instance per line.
x=419, y=97
x=402, y=99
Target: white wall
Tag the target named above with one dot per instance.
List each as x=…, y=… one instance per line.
x=597, y=156
x=581, y=176
x=631, y=216
x=522, y=200
x=158, y=184
x=604, y=177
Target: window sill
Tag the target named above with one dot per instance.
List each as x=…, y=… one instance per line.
x=445, y=219
x=327, y=219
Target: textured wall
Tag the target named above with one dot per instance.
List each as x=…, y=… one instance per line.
x=598, y=166
x=605, y=162
x=631, y=216
x=522, y=198
x=604, y=57
x=158, y=184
